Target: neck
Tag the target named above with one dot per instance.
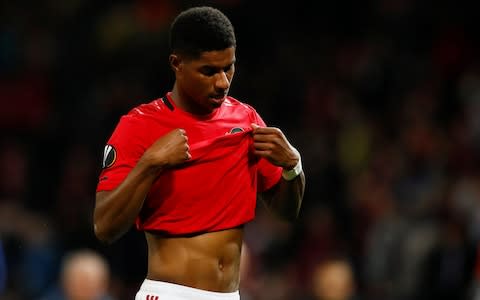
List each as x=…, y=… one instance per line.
x=175, y=95
x=183, y=102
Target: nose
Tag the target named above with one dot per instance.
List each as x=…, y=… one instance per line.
x=222, y=81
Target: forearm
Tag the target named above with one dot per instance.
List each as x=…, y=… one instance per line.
x=115, y=211
x=285, y=198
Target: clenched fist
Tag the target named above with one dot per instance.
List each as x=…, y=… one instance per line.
x=168, y=151
x=271, y=143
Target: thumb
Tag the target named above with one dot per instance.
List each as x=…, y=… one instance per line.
x=255, y=126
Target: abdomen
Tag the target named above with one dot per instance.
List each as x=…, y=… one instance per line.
x=208, y=261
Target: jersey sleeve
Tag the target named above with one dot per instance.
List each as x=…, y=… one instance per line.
x=121, y=153
x=267, y=173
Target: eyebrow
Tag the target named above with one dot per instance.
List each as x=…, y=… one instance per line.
x=215, y=67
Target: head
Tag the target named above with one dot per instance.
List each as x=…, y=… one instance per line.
x=85, y=275
x=333, y=280
x=202, y=44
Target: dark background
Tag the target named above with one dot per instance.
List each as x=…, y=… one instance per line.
x=382, y=98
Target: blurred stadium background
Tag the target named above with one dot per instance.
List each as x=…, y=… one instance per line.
x=381, y=97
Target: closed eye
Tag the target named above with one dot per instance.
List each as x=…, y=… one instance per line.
x=211, y=71
x=208, y=71
x=228, y=68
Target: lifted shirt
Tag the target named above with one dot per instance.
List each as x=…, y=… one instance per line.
x=215, y=190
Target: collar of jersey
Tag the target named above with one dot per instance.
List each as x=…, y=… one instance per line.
x=180, y=111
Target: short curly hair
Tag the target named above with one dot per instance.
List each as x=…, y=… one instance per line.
x=200, y=29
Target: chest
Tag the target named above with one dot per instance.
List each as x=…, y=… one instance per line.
x=198, y=130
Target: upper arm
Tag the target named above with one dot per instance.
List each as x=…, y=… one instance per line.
x=99, y=196
x=121, y=153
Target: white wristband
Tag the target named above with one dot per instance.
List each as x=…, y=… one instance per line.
x=291, y=174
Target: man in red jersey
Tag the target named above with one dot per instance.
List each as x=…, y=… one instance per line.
x=187, y=168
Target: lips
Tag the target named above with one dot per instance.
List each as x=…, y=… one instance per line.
x=218, y=98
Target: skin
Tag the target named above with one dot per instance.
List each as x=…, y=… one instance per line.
x=208, y=261
x=85, y=276
x=333, y=280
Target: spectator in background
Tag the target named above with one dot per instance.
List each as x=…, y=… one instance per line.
x=333, y=280
x=84, y=275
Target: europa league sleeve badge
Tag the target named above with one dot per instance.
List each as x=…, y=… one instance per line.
x=109, y=156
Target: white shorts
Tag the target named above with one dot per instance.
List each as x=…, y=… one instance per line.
x=160, y=290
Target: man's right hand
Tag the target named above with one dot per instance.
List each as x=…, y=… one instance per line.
x=168, y=151
x=115, y=211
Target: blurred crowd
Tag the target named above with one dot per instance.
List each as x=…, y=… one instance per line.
x=381, y=97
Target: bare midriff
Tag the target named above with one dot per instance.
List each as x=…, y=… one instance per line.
x=208, y=261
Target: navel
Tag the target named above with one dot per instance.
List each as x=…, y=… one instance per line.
x=220, y=264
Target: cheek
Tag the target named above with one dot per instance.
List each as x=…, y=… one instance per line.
x=199, y=84
x=196, y=87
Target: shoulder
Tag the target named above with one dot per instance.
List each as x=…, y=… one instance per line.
x=146, y=112
x=148, y=109
x=140, y=117
x=245, y=108
x=238, y=104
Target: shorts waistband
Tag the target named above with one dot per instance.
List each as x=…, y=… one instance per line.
x=167, y=288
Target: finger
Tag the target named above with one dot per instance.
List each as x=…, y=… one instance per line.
x=264, y=138
x=262, y=146
x=263, y=153
x=267, y=130
x=184, y=134
x=258, y=129
x=262, y=130
x=274, y=140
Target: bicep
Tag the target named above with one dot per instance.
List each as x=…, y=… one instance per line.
x=100, y=203
x=267, y=195
x=121, y=153
x=268, y=175
x=101, y=195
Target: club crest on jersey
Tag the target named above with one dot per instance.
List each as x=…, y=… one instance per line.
x=235, y=130
x=109, y=156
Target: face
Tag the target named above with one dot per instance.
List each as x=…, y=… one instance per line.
x=202, y=83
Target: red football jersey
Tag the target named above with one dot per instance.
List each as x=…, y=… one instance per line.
x=216, y=189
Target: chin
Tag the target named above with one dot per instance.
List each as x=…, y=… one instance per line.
x=216, y=105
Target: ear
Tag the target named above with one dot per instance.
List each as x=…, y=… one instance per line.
x=175, y=61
